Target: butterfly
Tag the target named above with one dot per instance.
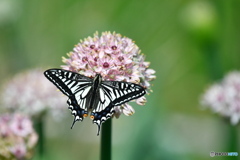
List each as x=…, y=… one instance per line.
x=93, y=95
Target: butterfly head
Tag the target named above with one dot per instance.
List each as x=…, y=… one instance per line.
x=98, y=77
x=97, y=80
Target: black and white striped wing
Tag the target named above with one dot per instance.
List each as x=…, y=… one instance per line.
x=77, y=87
x=79, y=90
x=111, y=94
x=103, y=108
x=122, y=92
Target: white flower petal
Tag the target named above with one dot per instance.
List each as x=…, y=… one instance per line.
x=224, y=97
x=128, y=110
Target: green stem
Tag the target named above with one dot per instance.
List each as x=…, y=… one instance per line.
x=233, y=139
x=229, y=25
x=39, y=125
x=106, y=140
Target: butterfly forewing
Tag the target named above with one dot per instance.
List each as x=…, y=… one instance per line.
x=122, y=92
x=68, y=82
x=77, y=87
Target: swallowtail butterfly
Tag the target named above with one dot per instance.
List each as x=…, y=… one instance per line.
x=92, y=94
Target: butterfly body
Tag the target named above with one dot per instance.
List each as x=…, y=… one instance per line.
x=94, y=90
x=93, y=94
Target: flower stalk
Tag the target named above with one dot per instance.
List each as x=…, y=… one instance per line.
x=39, y=125
x=233, y=139
x=106, y=140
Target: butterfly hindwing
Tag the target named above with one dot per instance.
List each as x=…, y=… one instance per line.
x=102, y=115
x=76, y=87
x=104, y=108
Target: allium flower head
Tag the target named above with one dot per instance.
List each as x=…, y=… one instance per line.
x=17, y=137
x=116, y=58
x=31, y=94
x=224, y=97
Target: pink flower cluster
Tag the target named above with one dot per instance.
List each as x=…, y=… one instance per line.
x=17, y=137
x=224, y=97
x=115, y=57
x=32, y=94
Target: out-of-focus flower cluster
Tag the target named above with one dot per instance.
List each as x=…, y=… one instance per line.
x=17, y=137
x=224, y=97
x=116, y=58
x=32, y=94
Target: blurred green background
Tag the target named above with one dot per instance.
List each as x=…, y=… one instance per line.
x=190, y=44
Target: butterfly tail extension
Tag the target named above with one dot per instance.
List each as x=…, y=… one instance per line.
x=99, y=128
x=99, y=124
x=74, y=121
